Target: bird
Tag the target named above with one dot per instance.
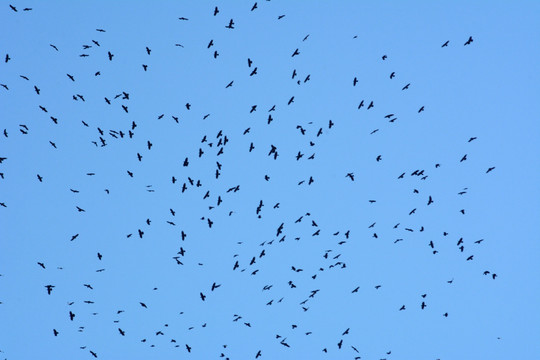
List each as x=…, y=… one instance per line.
x=49, y=289
x=469, y=41
x=445, y=44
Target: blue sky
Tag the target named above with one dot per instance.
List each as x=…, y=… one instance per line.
x=487, y=90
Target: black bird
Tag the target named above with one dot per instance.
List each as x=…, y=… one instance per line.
x=355, y=81
x=229, y=84
x=351, y=175
x=421, y=109
x=55, y=332
x=446, y=43
x=110, y=55
x=469, y=41
x=122, y=332
x=231, y=24
x=370, y=105
x=430, y=200
x=296, y=52
x=393, y=75
x=406, y=86
x=463, y=158
x=70, y=77
x=49, y=288
x=216, y=11
x=80, y=209
x=71, y=316
x=215, y=286
x=490, y=169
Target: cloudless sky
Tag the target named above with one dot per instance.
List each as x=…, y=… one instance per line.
x=292, y=292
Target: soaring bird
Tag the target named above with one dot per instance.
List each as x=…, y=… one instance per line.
x=469, y=41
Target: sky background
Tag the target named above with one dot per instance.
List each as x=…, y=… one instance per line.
x=488, y=90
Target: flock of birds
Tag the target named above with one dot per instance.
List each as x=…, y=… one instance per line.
x=214, y=146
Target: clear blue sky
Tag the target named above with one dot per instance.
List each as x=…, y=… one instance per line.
x=487, y=90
